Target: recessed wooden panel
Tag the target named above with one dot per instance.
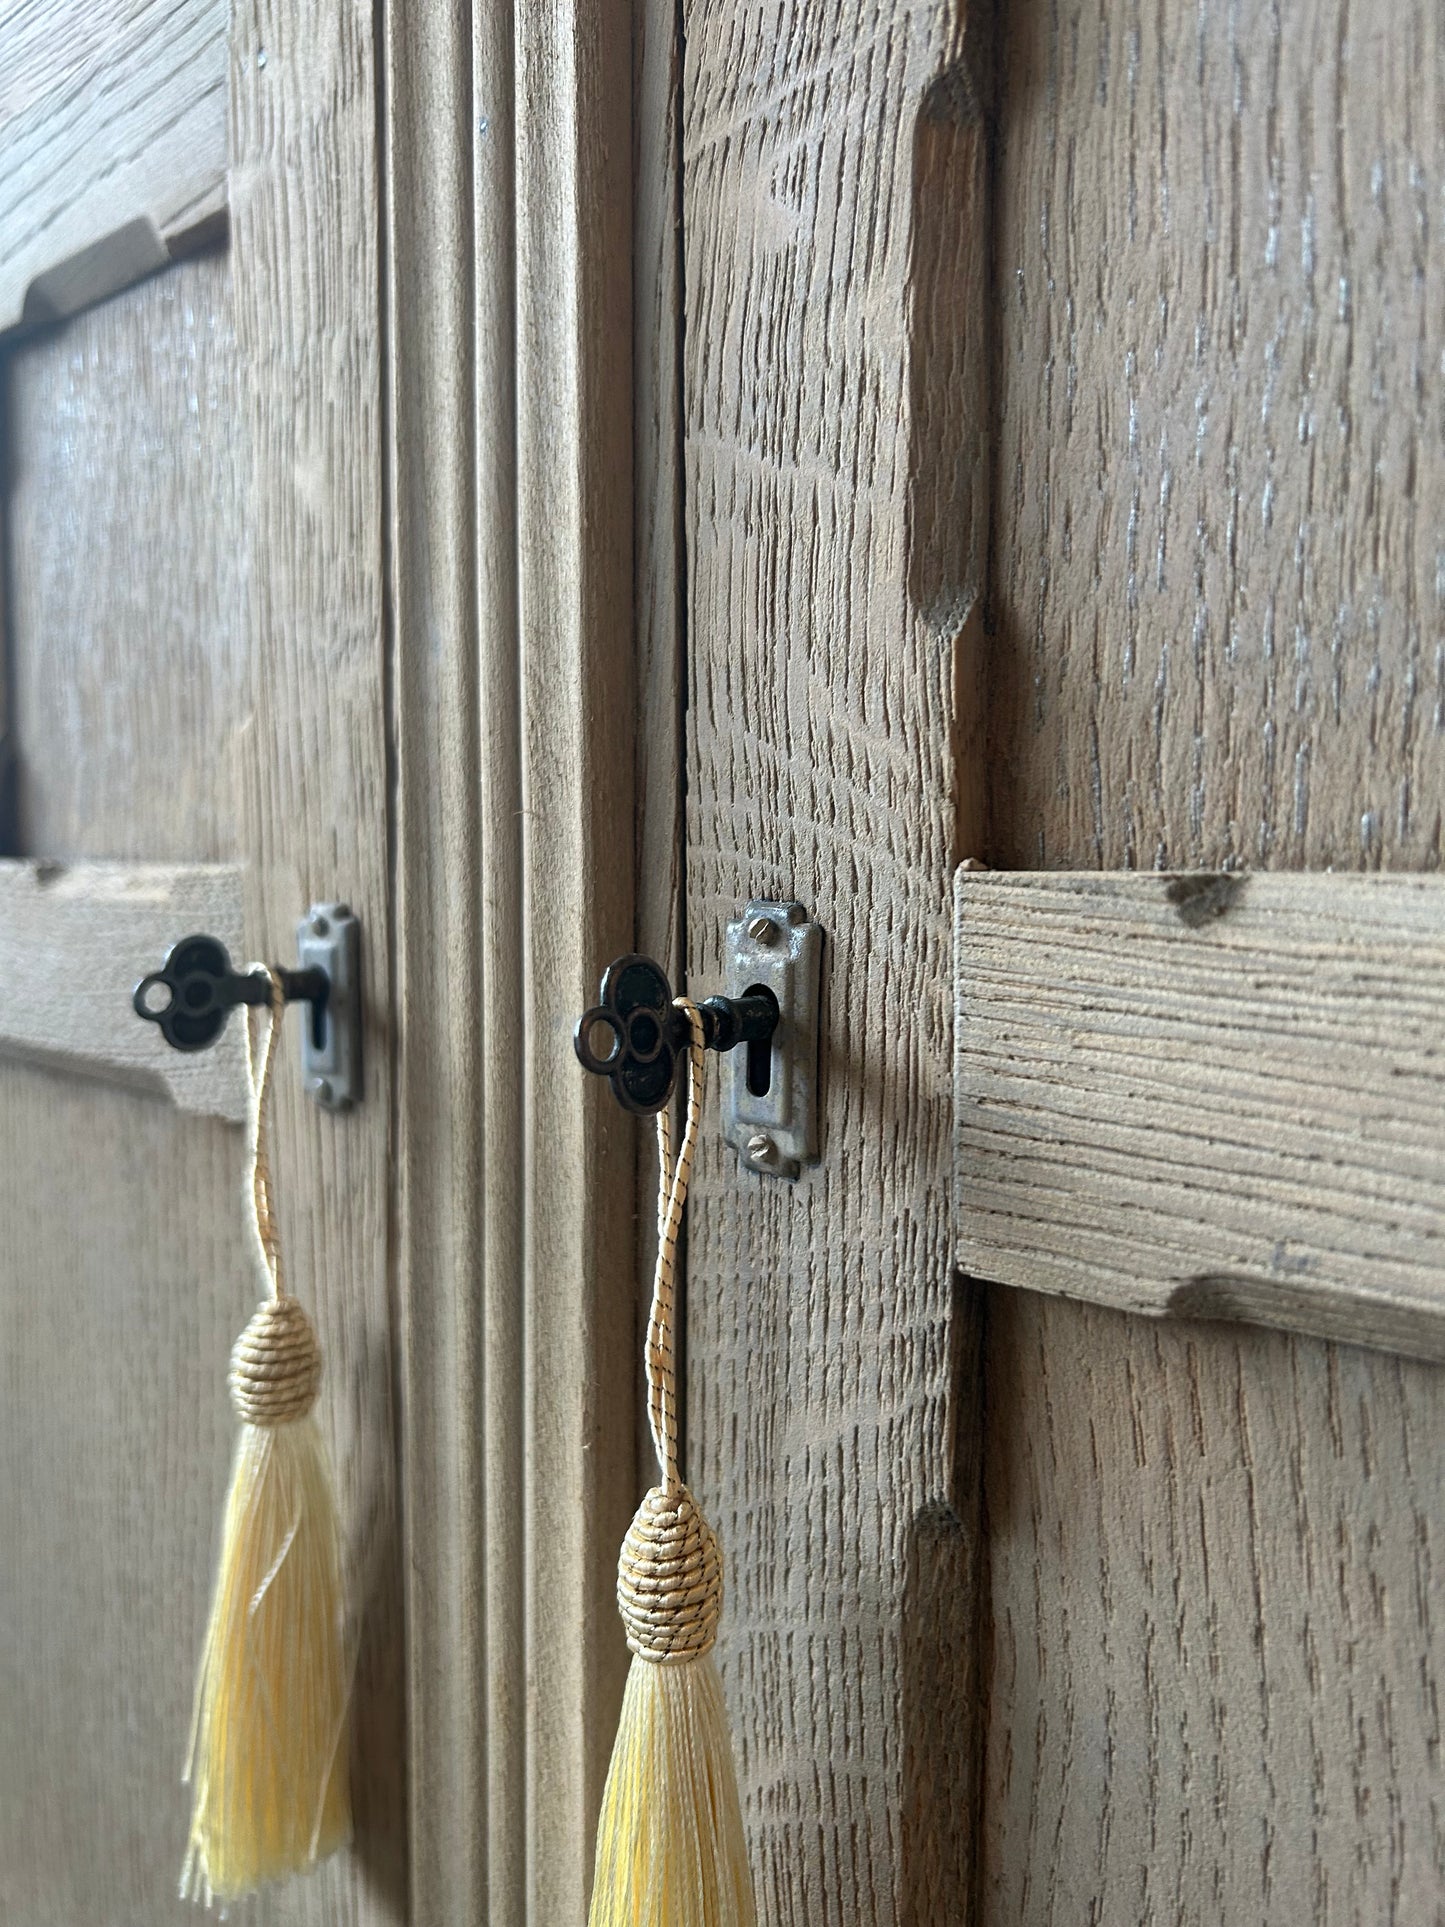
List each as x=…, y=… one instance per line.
x=130, y=668
x=1214, y=1096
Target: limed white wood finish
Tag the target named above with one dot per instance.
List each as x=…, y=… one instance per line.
x=1210, y=1095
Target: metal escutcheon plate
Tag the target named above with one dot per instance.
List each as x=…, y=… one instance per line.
x=770, y=1090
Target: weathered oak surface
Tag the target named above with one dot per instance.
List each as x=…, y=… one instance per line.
x=1208, y=1095
x=1214, y=642
x=834, y=351
x=1216, y=599
x=1214, y=1652
x=112, y=144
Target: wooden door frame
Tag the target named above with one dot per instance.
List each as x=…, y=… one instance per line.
x=507, y=225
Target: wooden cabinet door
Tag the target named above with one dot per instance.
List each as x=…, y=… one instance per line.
x=1213, y=1663
x=318, y=560
x=1059, y=403
x=194, y=737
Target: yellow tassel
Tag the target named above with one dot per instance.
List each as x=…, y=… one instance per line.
x=268, y=1759
x=670, y=1844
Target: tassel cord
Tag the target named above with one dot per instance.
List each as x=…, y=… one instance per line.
x=673, y=1181
x=263, y=1216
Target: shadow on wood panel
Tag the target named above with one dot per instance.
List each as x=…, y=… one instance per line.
x=940, y=1724
x=378, y=1719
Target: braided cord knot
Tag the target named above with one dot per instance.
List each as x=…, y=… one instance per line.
x=275, y=1365
x=670, y=1579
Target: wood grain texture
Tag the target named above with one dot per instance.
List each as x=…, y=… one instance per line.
x=112, y=145
x=509, y=1400
x=122, y=1294
x=457, y=1180
x=75, y=941
x=1212, y=1685
x=659, y=554
x=573, y=180
x=1217, y=600
x=1208, y=1095
x=305, y=242
x=128, y=555
x=835, y=287
x=1215, y=1672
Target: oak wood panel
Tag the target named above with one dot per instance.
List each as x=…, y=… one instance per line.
x=112, y=145
x=835, y=280
x=576, y=1481
x=124, y=1288
x=1215, y=1680
x=305, y=256
x=123, y=1282
x=128, y=555
x=1209, y=1094
x=74, y=942
x=1212, y=1683
x=1217, y=602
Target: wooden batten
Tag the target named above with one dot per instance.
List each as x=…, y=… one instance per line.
x=74, y=941
x=1208, y=1095
x=112, y=148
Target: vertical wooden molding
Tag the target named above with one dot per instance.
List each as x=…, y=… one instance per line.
x=836, y=471
x=304, y=187
x=504, y=1411
x=509, y=287
x=452, y=1177
x=573, y=153
x=659, y=550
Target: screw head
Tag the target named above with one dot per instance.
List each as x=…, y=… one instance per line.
x=320, y=1089
x=319, y=925
x=760, y=1148
x=762, y=930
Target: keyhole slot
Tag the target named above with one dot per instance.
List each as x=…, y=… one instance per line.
x=760, y=1052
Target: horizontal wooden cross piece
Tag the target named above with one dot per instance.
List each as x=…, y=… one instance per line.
x=1216, y=1096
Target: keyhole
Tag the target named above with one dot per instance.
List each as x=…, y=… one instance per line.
x=760, y=1053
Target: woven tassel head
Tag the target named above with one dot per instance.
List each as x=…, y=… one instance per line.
x=671, y=1851
x=268, y=1763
